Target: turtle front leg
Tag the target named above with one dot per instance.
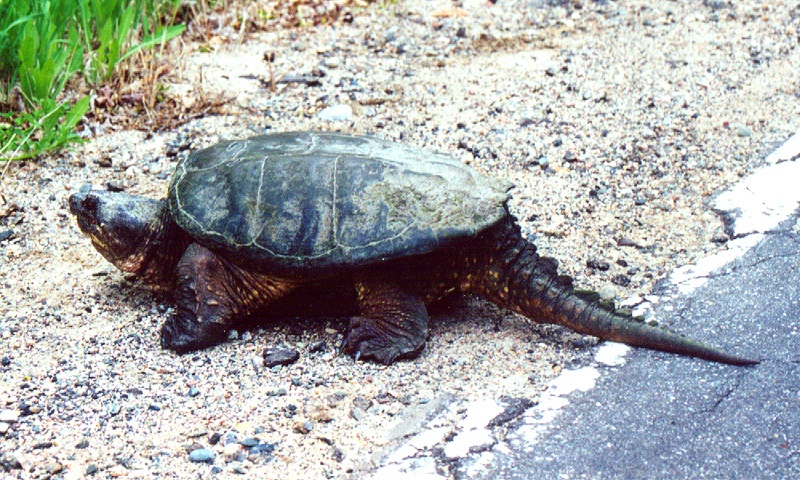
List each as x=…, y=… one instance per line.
x=211, y=293
x=393, y=323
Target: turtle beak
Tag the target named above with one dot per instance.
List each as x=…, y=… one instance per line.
x=76, y=206
x=120, y=225
x=89, y=211
x=84, y=205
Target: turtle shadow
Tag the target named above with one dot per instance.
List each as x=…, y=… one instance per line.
x=317, y=303
x=317, y=307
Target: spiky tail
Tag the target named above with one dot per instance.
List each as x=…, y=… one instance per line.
x=512, y=274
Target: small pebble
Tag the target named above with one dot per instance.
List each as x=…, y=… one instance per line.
x=362, y=403
x=263, y=449
x=357, y=414
x=598, y=265
x=249, y=442
x=626, y=242
x=621, y=280
x=114, y=187
x=26, y=410
x=53, y=468
x=607, y=293
x=9, y=416
x=719, y=238
x=336, y=113
x=231, y=449
x=280, y=356
x=337, y=454
x=303, y=427
x=321, y=414
x=202, y=455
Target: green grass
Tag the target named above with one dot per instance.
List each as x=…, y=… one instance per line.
x=45, y=43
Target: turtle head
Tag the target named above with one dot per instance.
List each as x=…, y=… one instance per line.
x=126, y=229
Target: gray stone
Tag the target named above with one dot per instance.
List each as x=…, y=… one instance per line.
x=201, y=455
x=607, y=293
x=249, y=442
x=280, y=356
x=362, y=403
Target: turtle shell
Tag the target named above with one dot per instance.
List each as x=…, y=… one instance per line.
x=305, y=201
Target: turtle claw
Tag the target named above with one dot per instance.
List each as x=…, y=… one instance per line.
x=346, y=349
x=367, y=341
x=186, y=335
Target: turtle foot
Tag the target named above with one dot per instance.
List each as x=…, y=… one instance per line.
x=367, y=340
x=184, y=336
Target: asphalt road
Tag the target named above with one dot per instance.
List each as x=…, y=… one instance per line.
x=662, y=416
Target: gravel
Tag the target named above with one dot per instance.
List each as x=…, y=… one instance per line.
x=617, y=121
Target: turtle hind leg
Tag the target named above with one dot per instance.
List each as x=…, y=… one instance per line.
x=211, y=294
x=392, y=325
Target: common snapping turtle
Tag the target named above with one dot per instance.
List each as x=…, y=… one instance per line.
x=246, y=222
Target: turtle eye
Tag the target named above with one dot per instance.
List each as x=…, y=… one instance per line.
x=90, y=204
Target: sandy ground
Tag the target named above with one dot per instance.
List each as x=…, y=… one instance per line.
x=617, y=121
